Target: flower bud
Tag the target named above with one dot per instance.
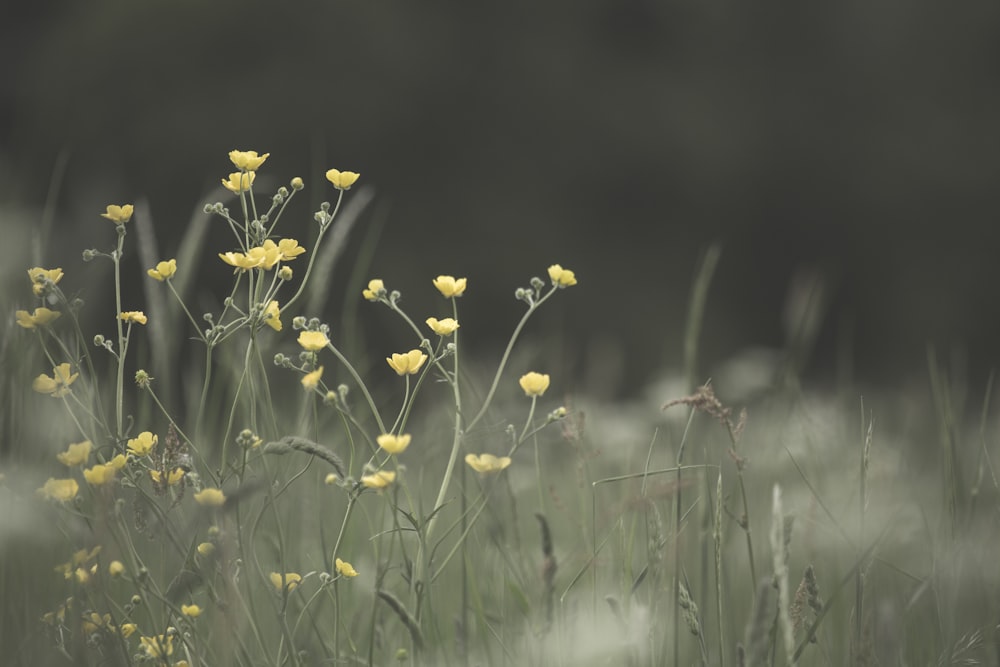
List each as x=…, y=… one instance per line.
x=297, y=183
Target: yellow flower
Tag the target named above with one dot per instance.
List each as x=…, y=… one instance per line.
x=118, y=462
x=378, y=479
x=407, y=364
x=163, y=270
x=288, y=580
x=57, y=385
x=173, y=477
x=136, y=316
x=330, y=479
x=534, y=384
x=116, y=568
x=272, y=315
x=394, y=444
x=118, y=214
x=374, y=287
x=449, y=286
x=191, y=610
x=41, y=277
x=39, y=318
x=561, y=277
x=445, y=327
x=487, y=463
x=297, y=183
x=239, y=181
x=142, y=444
x=206, y=548
x=342, y=180
x=128, y=629
x=62, y=490
x=311, y=380
x=289, y=249
x=266, y=255
x=247, y=160
x=76, y=455
x=100, y=474
x=346, y=569
x=93, y=622
x=158, y=646
x=210, y=497
x=313, y=340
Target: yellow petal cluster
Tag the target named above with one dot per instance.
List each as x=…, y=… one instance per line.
x=408, y=363
x=142, y=444
x=272, y=315
x=62, y=490
x=311, y=380
x=247, y=160
x=173, y=477
x=133, y=316
x=39, y=318
x=379, y=479
x=445, y=327
x=210, y=497
x=41, y=277
x=345, y=569
x=76, y=455
x=534, y=384
x=394, y=444
x=374, y=288
x=163, y=270
x=100, y=474
x=56, y=386
x=118, y=214
x=157, y=646
x=487, y=463
x=288, y=580
x=561, y=277
x=116, y=568
x=312, y=341
x=191, y=610
x=239, y=181
x=449, y=286
x=342, y=180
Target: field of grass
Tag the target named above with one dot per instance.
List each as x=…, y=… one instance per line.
x=239, y=490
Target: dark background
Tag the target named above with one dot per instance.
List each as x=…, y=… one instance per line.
x=853, y=141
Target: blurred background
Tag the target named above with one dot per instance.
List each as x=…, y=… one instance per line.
x=843, y=156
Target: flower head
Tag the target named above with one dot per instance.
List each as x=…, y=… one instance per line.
x=445, y=327
x=163, y=270
x=210, y=497
x=313, y=341
x=239, y=181
x=142, y=444
x=247, y=160
x=342, y=180
x=375, y=288
x=242, y=261
x=394, y=444
x=487, y=463
x=272, y=315
x=62, y=490
x=191, y=610
x=265, y=256
x=561, y=277
x=449, y=286
x=206, y=549
x=133, y=316
x=39, y=318
x=378, y=479
x=76, y=455
x=118, y=214
x=311, y=380
x=534, y=384
x=100, y=474
x=158, y=646
x=287, y=580
x=288, y=249
x=56, y=386
x=173, y=477
x=116, y=568
x=42, y=278
x=346, y=569
x=408, y=363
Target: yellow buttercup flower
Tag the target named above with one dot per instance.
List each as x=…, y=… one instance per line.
x=342, y=180
x=247, y=160
x=375, y=287
x=561, y=277
x=41, y=278
x=116, y=568
x=191, y=610
x=56, y=386
x=311, y=380
x=206, y=548
x=394, y=444
x=173, y=477
x=118, y=462
x=345, y=568
x=142, y=444
x=118, y=214
x=239, y=181
x=136, y=316
x=378, y=479
x=242, y=261
x=210, y=497
x=158, y=646
x=407, y=364
x=313, y=340
x=487, y=463
x=272, y=315
x=449, y=286
x=288, y=580
x=93, y=622
x=288, y=249
x=77, y=454
x=163, y=270
x=445, y=327
x=100, y=474
x=128, y=629
x=39, y=318
x=62, y=490
x=534, y=384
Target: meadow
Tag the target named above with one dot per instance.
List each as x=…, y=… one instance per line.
x=241, y=488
